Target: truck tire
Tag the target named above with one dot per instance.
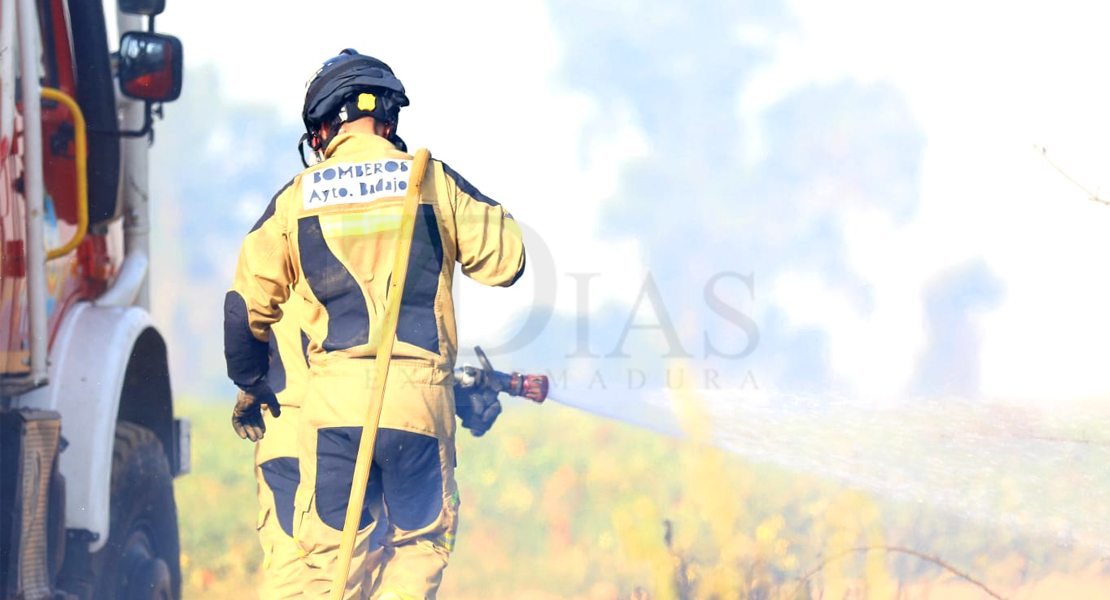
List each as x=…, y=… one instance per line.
x=141, y=560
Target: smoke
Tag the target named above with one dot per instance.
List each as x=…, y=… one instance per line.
x=793, y=179
x=768, y=196
x=215, y=165
x=950, y=364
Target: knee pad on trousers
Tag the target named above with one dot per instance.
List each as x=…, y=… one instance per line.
x=406, y=473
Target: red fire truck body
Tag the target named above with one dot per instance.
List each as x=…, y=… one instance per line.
x=89, y=444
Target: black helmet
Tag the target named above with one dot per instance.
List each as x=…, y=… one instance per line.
x=343, y=82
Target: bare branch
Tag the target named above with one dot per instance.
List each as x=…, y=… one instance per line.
x=1093, y=196
x=900, y=550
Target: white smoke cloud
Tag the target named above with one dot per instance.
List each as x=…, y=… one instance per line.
x=982, y=81
x=985, y=81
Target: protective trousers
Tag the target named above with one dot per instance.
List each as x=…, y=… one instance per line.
x=278, y=474
x=411, y=489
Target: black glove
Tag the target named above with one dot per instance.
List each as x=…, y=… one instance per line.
x=478, y=408
x=246, y=418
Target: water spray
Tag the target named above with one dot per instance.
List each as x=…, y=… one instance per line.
x=1010, y=466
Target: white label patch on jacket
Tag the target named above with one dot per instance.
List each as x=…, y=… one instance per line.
x=352, y=183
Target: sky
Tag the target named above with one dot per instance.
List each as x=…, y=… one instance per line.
x=870, y=166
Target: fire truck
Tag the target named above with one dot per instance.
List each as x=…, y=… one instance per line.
x=89, y=445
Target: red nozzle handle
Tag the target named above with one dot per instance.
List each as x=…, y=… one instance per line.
x=532, y=387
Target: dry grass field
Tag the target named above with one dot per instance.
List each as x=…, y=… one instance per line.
x=557, y=504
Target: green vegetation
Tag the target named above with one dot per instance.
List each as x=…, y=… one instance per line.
x=557, y=504
x=217, y=506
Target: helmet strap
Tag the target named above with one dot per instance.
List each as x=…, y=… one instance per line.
x=300, y=149
x=315, y=143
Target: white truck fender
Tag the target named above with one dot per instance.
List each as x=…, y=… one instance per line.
x=87, y=366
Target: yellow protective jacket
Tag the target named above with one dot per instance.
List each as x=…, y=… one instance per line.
x=330, y=235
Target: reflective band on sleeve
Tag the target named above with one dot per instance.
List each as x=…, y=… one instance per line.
x=447, y=541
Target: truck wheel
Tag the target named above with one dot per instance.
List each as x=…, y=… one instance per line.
x=141, y=560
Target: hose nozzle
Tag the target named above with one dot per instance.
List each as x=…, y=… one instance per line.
x=532, y=387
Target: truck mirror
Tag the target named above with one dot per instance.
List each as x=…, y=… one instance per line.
x=149, y=8
x=150, y=66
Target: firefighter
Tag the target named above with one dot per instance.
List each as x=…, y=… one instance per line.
x=275, y=458
x=329, y=236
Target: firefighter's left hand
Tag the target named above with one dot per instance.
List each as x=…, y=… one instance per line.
x=246, y=418
x=478, y=409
